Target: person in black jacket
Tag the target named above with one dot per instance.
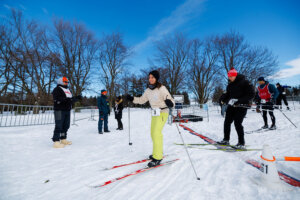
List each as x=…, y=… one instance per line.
x=281, y=96
x=63, y=100
x=104, y=111
x=118, y=112
x=239, y=93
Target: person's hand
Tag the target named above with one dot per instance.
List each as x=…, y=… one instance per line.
x=258, y=110
x=169, y=103
x=129, y=97
x=101, y=112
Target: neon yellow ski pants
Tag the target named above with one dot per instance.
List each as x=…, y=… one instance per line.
x=157, y=125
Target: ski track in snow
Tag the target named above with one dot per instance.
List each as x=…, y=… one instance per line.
x=28, y=160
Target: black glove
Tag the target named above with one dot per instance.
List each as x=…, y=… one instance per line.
x=129, y=97
x=169, y=103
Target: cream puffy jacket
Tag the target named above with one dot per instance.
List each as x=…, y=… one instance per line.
x=156, y=98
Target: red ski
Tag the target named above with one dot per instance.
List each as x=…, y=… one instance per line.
x=123, y=165
x=132, y=163
x=134, y=173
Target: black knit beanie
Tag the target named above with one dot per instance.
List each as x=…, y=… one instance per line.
x=155, y=73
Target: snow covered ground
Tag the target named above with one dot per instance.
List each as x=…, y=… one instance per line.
x=31, y=169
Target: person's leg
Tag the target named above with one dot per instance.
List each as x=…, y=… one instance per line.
x=120, y=124
x=58, y=125
x=227, y=123
x=238, y=120
x=285, y=101
x=100, y=123
x=106, y=123
x=264, y=108
x=66, y=124
x=157, y=124
x=272, y=117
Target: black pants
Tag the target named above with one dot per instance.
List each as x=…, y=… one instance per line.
x=279, y=100
x=120, y=124
x=237, y=116
x=268, y=108
x=62, y=124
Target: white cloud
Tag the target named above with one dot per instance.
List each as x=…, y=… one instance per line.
x=22, y=7
x=7, y=6
x=181, y=15
x=45, y=11
x=294, y=70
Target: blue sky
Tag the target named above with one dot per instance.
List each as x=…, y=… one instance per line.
x=271, y=23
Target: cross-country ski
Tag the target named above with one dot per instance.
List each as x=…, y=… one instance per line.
x=149, y=100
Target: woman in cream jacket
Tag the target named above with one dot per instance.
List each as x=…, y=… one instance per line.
x=160, y=101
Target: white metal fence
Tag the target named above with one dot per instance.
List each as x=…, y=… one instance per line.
x=12, y=115
x=25, y=115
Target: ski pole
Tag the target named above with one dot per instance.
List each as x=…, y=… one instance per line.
x=287, y=118
x=130, y=143
x=187, y=152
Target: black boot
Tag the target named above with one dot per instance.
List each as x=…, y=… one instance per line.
x=154, y=163
x=100, y=132
x=265, y=126
x=107, y=131
x=223, y=142
x=240, y=146
x=273, y=127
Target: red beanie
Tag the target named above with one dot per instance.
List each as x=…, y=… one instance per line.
x=232, y=72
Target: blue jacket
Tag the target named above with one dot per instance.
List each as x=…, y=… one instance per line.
x=103, y=104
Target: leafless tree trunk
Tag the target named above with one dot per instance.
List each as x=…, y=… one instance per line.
x=77, y=47
x=112, y=56
x=204, y=71
x=172, y=54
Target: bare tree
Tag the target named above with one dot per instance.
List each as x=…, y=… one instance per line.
x=172, y=54
x=112, y=58
x=77, y=47
x=250, y=61
x=26, y=53
x=204, y=71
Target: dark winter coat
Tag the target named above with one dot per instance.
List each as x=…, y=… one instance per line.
x=240, y=89
x=103, y=105
x=280, y=89
x=119, y=110
x=61, y=101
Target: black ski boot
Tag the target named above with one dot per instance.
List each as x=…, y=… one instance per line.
x=223, y=142
x=273, y=127
x=240, y=146
x=107, y=131
x=265, y=126
x=288, y=108
x=151, y=157
x=100, y=132
x=154, y=162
